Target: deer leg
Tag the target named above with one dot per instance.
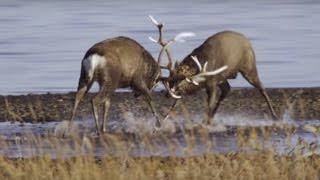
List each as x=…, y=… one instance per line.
x=147, y=94
x=153, y=109
x=171, y=108
x=224, y=90
x=105, y=116
x=79, y=95
x=101, y=97
x=254, y=80
x=95, y=107
x=266, y=97
x=212, y=92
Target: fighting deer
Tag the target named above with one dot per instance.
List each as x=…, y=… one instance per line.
x=230, y=53
x=116, y=63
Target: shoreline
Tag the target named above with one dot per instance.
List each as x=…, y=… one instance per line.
x=302, y=104
x=125, y=90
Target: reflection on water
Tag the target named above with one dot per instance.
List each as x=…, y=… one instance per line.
x=42, y=43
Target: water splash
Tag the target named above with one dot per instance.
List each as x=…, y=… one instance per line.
x=19, y=146
x=141, y=126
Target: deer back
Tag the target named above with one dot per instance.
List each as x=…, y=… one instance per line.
x=224, y=48
x=125, y=58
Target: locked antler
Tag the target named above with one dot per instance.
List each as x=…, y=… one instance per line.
x=203, y=73
x=179, y=37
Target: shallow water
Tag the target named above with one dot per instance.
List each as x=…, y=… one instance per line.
x=43, y=42
x=29, y=140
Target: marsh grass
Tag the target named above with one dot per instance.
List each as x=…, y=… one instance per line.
x=258, y=165
x=75, y=157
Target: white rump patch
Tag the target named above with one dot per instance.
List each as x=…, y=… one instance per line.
x=92, y=62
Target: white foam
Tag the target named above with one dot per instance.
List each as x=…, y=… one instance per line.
x=141, y=126
x=62, y=129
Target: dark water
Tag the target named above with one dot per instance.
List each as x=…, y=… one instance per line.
x=43, y=42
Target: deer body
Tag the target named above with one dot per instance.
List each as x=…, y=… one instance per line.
x=116, y=63
x=227, y=48
x=224, y=48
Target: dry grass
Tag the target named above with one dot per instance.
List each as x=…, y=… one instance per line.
x=260, y=163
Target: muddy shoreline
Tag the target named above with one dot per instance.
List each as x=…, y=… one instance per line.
x=302, y=104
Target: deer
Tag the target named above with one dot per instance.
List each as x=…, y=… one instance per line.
x=118, y=62
x=227, y=53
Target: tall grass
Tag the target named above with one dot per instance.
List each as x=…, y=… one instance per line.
x=262, y=165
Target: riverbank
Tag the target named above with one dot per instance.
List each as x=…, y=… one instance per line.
x=303, y=104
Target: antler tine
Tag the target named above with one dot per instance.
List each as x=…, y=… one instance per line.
x=162, y=43
x=153, y=40
x=159, y=26
x=196, y=79
x=196, y=60
x=215, y=72
x=154, y=20
x=205, y=66
x=179, y=37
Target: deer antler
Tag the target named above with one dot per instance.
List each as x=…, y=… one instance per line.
x=200, y=77
x=196, y=60
x=162, y=43
x=179, y=37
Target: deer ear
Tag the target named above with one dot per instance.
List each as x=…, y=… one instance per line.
x=176, y=64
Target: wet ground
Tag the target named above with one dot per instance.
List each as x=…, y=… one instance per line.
x=242, y=116
x=175, y=138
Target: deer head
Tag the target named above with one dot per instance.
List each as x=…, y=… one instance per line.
x=192, y=83
x=177, y=84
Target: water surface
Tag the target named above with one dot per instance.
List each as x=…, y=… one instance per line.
x=43, y=42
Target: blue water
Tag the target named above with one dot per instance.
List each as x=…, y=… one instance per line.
x=43, y=42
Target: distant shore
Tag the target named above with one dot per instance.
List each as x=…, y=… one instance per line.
x=302, y=104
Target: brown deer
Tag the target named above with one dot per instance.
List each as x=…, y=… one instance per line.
x=116, y=63
x=229, y=52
